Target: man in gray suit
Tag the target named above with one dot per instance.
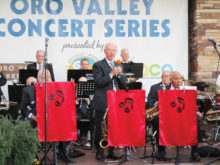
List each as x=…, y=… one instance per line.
x=108, y=76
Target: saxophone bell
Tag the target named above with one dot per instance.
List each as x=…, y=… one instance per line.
x=103, y=143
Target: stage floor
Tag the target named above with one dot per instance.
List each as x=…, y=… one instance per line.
x=89, y=157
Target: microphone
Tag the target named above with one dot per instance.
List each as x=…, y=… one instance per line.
x=118, y=62
x=29, y=61
x=46, y=40
x=213, y=41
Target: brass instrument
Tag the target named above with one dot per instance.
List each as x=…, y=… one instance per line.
x=5, y=104
x=151, y=113
x=213, y=116
x=104, y=141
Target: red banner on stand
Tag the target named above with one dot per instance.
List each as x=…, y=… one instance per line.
x=126, y=118
x=61, y=111
x=177, y=117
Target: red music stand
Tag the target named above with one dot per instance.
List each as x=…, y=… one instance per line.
x=126, y=120
x=61, y=112
x=178, y=120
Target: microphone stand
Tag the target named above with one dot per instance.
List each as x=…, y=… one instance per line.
x=45, y=105
x=215, y=96
x=215, y=46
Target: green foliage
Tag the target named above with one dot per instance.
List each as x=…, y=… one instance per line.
x=6, y=138
x=22, y=144
x=25, y=143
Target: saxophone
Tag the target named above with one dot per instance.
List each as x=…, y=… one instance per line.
x=213, y=115
x=151, y=113
x=104, y=141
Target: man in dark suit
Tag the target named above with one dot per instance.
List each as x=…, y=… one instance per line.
x=3, y=81
x=28, y=104
x=39, y=64
x=107, y=77
x=152, y=99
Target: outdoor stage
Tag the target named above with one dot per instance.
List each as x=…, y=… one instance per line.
x=89, y=157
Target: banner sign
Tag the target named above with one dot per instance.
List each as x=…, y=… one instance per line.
x=11, y=70
x=151, y=29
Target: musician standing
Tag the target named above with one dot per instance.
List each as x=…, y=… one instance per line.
x=3, y=81
x=39, y=64
x=107, y=77
x=125, y=56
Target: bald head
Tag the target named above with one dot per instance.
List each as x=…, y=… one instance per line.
x=125, y=55
x=82, y=79
x=166, y=77
x=176, y=79
x=110, y=51
x=30, y=81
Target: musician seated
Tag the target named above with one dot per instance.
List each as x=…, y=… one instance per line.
x=83, y=112
x=85, y=100
x=176, y=80
x=28, y=102
x=27, y=106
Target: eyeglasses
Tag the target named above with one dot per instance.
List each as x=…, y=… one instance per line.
x=111, y=50
x=166, y=76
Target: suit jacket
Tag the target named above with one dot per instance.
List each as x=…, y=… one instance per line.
x=101, y=71
x=153, y=94
x=48, y=66
x=28, y=99
x=3, y=81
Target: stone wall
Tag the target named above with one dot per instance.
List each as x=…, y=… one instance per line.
x=204, y=22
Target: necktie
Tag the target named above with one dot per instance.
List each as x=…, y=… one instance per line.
x=39, y=67
x=115, y=83
x=112, y=64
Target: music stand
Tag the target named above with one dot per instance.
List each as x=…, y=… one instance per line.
x=153, y=144
x=24, y=74
x=135, y=68
x=134, y=85
x=115, y=139
x=84, y=89
x=76, y=74
x=15, y=93
x=128, y=155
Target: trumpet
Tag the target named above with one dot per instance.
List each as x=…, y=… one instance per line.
x=151, y=113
